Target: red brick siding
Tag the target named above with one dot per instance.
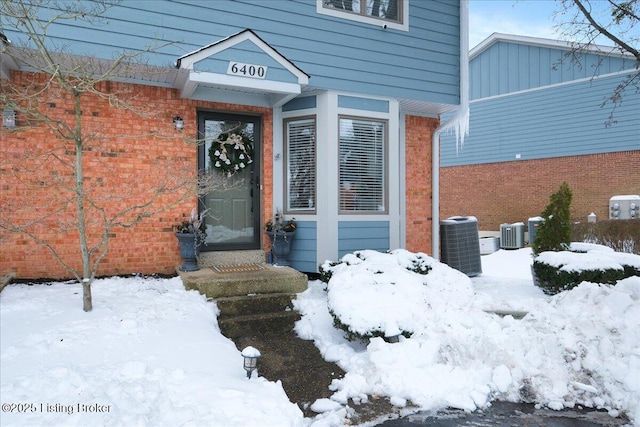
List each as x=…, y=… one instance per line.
x=115, y=166
x=418, y=136
x=511, y=192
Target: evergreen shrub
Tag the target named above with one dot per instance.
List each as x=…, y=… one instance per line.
x=554, y=233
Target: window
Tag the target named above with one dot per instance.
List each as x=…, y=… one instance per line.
x=363, y=165
x=381, y=9
x=300, y=149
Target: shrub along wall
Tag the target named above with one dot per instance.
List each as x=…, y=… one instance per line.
x=135, y=153
x=621, y=235
x=515, y=191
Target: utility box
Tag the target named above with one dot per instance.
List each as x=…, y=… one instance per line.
x=460, y=244
x=624, y=207
x=489, y=245
x=512, y=235
x=534, y=223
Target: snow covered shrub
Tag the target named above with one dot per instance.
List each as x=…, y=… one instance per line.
x=621, y=235
x=564, y=270
x=374, y=294
x=417, y=264
x=554, y=233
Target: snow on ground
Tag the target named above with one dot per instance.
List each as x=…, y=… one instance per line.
x=151, y=354
x=581, y=347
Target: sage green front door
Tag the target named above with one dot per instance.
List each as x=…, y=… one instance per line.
x=229, y=154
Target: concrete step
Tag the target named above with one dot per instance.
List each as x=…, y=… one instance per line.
x=213, y=258
x=264, y=279
x=264, y=324
x=254, y=304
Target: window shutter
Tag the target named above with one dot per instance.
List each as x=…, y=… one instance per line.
x=362, y=165
x=301, y=164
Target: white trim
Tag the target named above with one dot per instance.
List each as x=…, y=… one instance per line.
x=402, y=193
x=204, y=78
x=394, y=182
x=327, y=146
x=277, y=93
x=187, y=61
x=277, y=162
x=379, y=22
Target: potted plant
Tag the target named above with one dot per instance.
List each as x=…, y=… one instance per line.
x=281, y=233
x=190, y=236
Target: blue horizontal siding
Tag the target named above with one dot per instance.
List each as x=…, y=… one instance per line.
x=303, y=256
x=361, y=235
x=507, y=67
x=559, y=121
x=365, y=104
x=420, y=64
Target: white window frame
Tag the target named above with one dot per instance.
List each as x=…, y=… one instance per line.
x=342, y=191
x=287, y=183
x=381, y=22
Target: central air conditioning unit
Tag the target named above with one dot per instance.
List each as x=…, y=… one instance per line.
x=460, y=244
x=512, y=235
x=624, y=207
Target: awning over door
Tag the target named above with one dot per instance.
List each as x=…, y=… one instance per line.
x=241, y=69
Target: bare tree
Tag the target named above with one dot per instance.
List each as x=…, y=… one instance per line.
x=584, y=22
x=54, y=100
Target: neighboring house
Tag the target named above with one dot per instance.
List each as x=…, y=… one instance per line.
x=340, y=105
x=537, y=119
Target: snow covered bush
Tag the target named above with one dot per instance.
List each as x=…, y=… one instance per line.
x=373, y=294
x=564, y=270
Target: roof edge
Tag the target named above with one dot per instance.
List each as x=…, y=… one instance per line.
x=543, y=42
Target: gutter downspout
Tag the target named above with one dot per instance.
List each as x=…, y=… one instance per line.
x=459, y=122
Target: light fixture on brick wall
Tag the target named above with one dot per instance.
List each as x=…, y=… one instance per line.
x=178, y=122
x=9, y=117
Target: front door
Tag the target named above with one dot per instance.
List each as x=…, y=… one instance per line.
x=230, y=155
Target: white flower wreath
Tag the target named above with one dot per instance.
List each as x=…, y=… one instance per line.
x=231, y=153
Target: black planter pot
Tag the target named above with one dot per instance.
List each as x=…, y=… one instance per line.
x=189, y=251
x=281, y=246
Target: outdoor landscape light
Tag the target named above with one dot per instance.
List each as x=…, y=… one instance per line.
x=178, y=122
x=392, y=339
x=9, y=117
x=251, y=356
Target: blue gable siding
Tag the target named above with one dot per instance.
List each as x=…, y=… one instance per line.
x=304, y=247
x=339, y=54
x=510, y=67
x=556, y=121
x=248, y=53
x=360, y=235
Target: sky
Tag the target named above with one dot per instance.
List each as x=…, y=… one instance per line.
x=519, y=17
x=534, y=18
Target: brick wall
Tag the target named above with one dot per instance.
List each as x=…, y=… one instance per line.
x=511, y=192
x=418, y=135
x=131, y=156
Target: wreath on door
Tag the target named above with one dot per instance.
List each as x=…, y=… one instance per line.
x=231, y=153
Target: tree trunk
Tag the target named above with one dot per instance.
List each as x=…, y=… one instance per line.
x=87, y=304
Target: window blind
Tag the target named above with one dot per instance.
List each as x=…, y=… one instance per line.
x=362, y=165
x=301, y=164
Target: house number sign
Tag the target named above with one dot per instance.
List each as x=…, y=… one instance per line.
x=247, y=70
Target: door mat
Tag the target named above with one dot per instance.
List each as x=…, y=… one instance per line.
x=242, y=268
